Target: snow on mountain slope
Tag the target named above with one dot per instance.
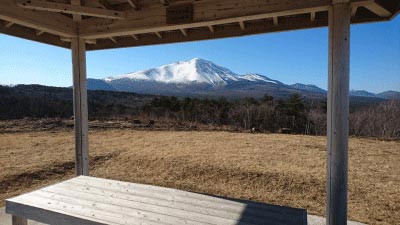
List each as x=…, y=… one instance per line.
x=193, y=71
x=257, y=77
x=199, y=77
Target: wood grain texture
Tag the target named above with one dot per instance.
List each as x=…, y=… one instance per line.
x=58, y=24
x=338, y=113
x=18, y=221
x=78, y=47
x=150, y=17
x=70, y=9
x=89, y=200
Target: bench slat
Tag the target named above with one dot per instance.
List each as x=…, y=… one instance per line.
x=180, y=196
x=230, y=210
x=149, y=212
x=95, y=201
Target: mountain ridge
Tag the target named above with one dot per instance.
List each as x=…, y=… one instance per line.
x=200, y=77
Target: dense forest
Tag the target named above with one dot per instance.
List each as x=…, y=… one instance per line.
x=368, y=117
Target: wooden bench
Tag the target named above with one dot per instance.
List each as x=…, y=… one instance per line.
x=92, y=201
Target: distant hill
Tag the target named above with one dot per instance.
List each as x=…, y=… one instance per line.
x=42, y=101
x=203, y=78
x=363, y=94
x=308, y=87
x=390, y=95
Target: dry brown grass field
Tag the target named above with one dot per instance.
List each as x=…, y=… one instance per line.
x=279, y=169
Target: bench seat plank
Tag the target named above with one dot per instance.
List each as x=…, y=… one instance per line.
x=92, y=201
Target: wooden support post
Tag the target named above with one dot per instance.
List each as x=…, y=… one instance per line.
x=78, y=47
x=338, y=112
x=19, y=221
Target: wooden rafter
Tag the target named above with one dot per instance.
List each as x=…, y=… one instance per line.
x=158, y=35
x=206, y=14
x=95, y=4
x=258, y=27
x=136, y=37
x=211, y=28
x=313, y=16
x=39, y=32
x=65, y=39
x=378, y=9
x=133, y=4
x=9, y=24
x=91, y=42
x=58, y=24
x=113, y=39
x=372, y=6
x=184, y=32
x=242, y=25
x=165, y=2
x=70, y=9
x=240, y=17
x=354, y=11
x=276, y=20
x=76, y=18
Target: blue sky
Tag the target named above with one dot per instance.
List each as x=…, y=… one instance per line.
x=297, y=56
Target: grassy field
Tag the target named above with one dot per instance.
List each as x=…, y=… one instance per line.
x=279, y=169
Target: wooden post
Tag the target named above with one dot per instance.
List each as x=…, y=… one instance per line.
x=338, y=112
x=19, y=221
x=78, y=47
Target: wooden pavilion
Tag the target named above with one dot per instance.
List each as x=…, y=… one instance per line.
x=83, y=25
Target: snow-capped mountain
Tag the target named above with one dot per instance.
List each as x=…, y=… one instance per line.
x=189, y=72
x=195, y=71
x=199, y=77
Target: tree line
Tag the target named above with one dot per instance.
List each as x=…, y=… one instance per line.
x=292, y=115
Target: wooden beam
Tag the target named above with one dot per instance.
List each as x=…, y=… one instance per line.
x=91, y=42
x=378, y=9
x=78, y=47
x=276, y=21
x=58, y=24
x=76, y=18
x=164, y=2
x=65, y=39
x=133, y=4
x=354, y=11
x=242, y=25
x=338, y=112
x=9, y=24
x=313, y=16
x=30, y=34
x=70, y=9
x=136, y=37
x=211, y=28
x=184, y=32
x=256, y=27
x=206, y=13
x=39, y=32
x=158, y=35
x=95, y=4
x=112, y=39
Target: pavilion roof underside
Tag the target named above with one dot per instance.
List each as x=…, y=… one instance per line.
x=106, y=24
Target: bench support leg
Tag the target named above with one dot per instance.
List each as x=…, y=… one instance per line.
x=19, y=221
